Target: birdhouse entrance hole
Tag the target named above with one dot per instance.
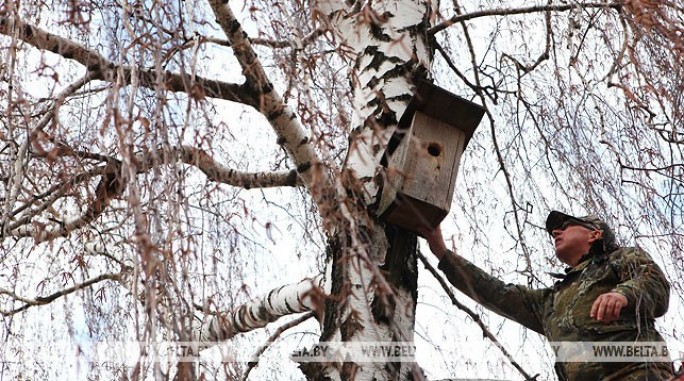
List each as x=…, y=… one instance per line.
x=434, y=149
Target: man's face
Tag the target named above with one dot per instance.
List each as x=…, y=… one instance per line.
x=572, y=241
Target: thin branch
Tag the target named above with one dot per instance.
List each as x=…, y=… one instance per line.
x=489, y=90
x=112, y=186
x=42, y=300
x=476, y=318
x=53, y=194
x=504, y=169
x=252, y=364
x=542, y=57
x=300, y=43
x=21, y=158
x=218, y=173
x=653, y=169
x=518, y=11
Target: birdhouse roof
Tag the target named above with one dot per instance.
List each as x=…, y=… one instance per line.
x=440, y=104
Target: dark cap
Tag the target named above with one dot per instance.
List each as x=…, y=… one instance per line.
x=557, y=219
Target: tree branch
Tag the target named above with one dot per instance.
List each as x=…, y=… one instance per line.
x=42, y=300
x=105, y=70
x=111, y=186
x=518, y=11
x=291, y=134
x=304, y=296
x=218, y=173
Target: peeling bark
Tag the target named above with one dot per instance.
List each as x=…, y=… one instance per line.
x=391, y=46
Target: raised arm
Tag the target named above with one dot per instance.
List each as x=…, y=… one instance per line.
x=515, y=302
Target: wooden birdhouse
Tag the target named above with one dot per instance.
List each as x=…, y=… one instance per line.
x=423, y=156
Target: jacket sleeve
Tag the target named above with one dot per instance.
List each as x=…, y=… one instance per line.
x=515, y=302
x=642, y=282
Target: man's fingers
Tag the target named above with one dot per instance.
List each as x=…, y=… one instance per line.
x=607, y=307
x=610, y=314
x=601, y=310
x=616, y=310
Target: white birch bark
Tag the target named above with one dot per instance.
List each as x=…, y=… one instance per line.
x=381, y=92
x=306, y=295
x=385, y=35
x=303, y=296
x=291, y=134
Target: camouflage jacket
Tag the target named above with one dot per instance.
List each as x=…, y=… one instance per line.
x=561, y=312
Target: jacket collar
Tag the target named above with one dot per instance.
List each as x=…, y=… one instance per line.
x=585, y=260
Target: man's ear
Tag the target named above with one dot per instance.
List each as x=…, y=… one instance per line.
x=595, y=236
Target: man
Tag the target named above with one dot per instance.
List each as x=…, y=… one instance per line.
x=608, y=294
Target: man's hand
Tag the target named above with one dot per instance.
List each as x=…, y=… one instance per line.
x=607, y=306
x=435, y=240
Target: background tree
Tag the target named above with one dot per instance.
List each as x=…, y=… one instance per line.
x=142, y=184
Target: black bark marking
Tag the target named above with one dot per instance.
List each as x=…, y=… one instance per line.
x=275, y=114
x=383, y=309
x=289, y=307
x=378, y=33
x=292, y=178
x=94, y=68
x=387, y=118
x=281, y=140
x=332, y=305
x=376, y=149
x=233, y=26
x=301, y=168
x=262, y=313
x=401, y=262
x=267, y=88
x=28, y=30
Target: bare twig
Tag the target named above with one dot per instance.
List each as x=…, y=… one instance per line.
x=21, y=155
x=295, y=43
x=476, y=318
x=519, y=11
x=42, y=300
x=252, y=364
x=112, y=186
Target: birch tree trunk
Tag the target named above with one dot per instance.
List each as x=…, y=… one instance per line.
x=374, y=267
